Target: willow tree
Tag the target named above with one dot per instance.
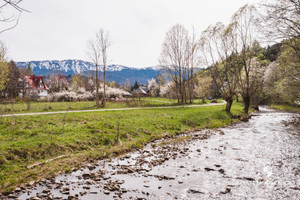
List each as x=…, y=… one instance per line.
x=246, y=26
x=218, y=50
x=282, y=22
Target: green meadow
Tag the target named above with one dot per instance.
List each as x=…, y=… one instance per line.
x=80, y=137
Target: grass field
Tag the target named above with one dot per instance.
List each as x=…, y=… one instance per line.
x=21, y=107
x=26, y=140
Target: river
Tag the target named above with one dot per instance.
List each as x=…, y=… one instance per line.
x=258, y=159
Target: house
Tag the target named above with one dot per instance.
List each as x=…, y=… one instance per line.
x=57, y=83
x=140, y=91
x=33, y=86
x=146, y=89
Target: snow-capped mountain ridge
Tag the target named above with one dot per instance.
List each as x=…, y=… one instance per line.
x=73, y=66
x=77, y=66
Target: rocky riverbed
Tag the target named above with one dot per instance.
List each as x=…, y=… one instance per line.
x=258, y=159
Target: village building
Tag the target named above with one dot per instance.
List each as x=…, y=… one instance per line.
x=140, y=91
x=57, y=83
x=61, y=80
x=33, y=86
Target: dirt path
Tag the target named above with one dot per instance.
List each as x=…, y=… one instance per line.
x=110, y=109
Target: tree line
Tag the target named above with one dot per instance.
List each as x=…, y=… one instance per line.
x=234, y=58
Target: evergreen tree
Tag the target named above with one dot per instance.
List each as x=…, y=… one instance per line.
x=135, y=86
x=29, y=71
x=12, y=89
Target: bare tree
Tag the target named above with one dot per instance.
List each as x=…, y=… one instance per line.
x=94, y=54
x=97, y=52
x=177, y=58
x=3, y=51
x=127, y=85
x=193, y=61
x=104, y=42
x=282, y=19
x=282, y=23
x=13, y=19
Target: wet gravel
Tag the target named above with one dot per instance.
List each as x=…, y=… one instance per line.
x=258, y=159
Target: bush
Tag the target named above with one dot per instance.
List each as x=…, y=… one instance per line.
x=82, y=95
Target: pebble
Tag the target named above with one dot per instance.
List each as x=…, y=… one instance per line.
x=106, y=192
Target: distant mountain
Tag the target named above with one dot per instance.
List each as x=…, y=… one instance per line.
x=117, y=73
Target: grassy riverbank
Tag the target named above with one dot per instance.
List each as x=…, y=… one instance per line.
x=286, y=107
x=27, y=140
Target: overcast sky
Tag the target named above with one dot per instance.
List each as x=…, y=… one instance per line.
x=60, y=29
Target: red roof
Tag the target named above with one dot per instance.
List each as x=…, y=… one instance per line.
x=36, y=82
x=61, y=78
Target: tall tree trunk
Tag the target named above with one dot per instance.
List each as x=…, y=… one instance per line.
x=97, y=87
x=28, y=103
x=104, y=88
x=188, y=90
x=184, y=91
x=191, y=86
x=246, y=100
x=229, y=102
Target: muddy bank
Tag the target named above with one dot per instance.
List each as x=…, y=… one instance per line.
x=258, y=159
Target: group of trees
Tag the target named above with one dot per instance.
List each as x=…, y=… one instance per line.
x=233, y=56
x=98, y=53
x=178, y=58
x=282, y=82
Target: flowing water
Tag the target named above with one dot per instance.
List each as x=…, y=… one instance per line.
x=259, y=159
